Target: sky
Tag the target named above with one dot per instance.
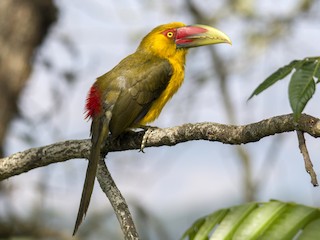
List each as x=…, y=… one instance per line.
x=176, y=184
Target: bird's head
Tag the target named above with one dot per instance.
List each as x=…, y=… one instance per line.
x=168, y=39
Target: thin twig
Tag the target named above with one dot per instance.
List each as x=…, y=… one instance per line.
x=307, y=161
x=117, y=201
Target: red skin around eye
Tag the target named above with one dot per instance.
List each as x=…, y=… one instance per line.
x=174, y=31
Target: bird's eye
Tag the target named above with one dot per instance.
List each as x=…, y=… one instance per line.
x=169, y=34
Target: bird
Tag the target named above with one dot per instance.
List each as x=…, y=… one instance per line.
x=134, y=92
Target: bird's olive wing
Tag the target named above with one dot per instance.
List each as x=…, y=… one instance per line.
x=140, y=86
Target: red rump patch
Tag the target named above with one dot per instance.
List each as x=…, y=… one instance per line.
x=93, y=103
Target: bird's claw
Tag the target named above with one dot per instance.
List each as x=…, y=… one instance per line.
x=148, y=131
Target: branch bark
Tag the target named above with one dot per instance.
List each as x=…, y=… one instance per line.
x=117, y=201
x=229, y=134
x=307, y=161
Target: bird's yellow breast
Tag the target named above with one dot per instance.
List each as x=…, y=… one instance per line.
x=177, y=62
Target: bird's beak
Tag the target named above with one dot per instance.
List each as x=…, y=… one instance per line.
x=199, y=35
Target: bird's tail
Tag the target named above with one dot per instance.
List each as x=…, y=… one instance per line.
x=99, y=131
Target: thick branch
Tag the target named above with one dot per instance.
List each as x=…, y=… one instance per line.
x=229, y=134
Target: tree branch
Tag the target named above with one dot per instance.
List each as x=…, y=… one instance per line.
x=117, y=201
x=229, y=134
x=307, y=161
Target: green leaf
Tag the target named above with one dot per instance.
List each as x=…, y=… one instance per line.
x=209, y=224
x=302, y=87
x=192, y=231
x=273, y=220
x=311, y=231
x=259, y=220
x=317, y=72
x=232, y=221
x=294, y=218
x=276, y=76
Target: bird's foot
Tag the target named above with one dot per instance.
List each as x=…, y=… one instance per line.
x=148, y=131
